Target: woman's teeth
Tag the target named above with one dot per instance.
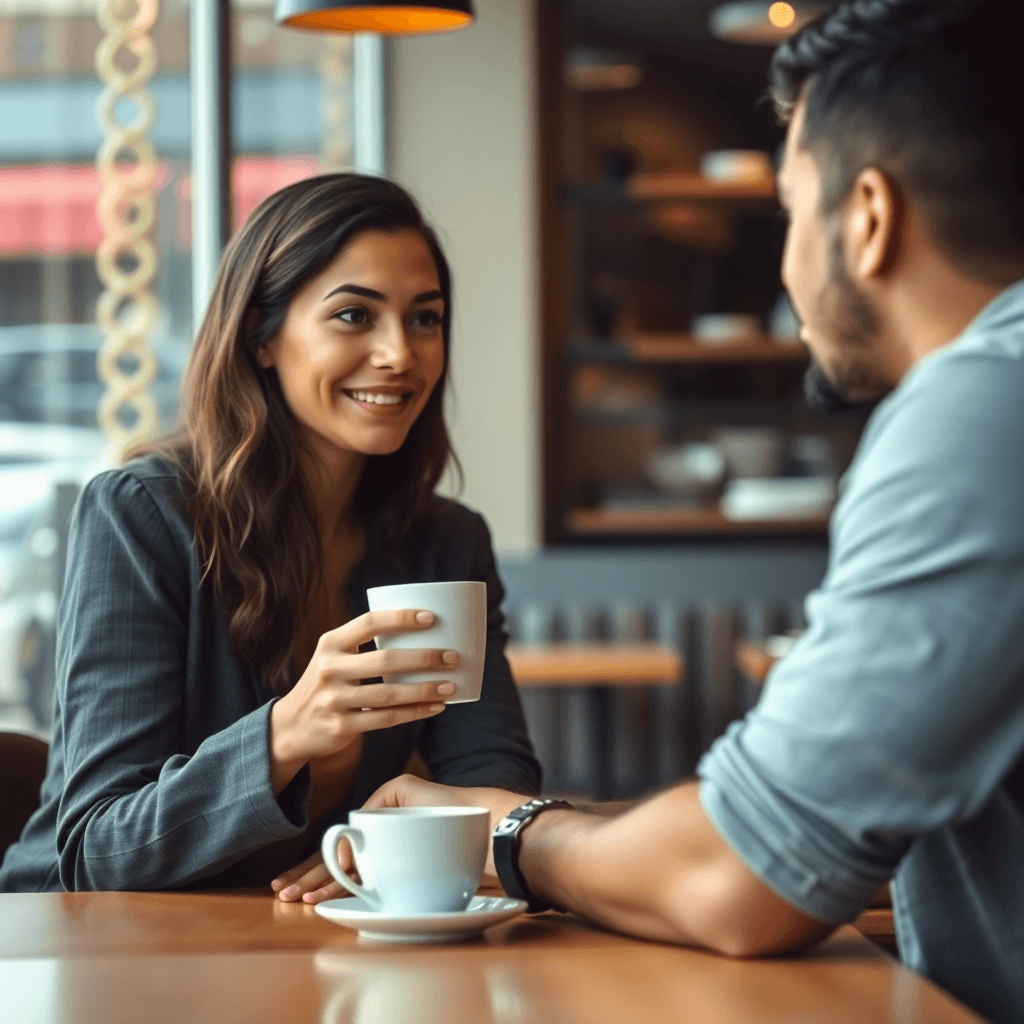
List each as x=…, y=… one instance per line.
x=377, y=399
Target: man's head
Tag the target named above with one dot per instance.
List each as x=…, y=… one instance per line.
x=903, y=176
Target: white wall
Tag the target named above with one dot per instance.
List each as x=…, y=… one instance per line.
x=463, y=140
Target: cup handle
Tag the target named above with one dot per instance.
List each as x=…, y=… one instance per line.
x=329, y=849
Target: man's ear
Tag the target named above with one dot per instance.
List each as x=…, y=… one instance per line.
x=874, y=212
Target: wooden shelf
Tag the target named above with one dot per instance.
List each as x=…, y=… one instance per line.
x=595, y=521
x=684, y=348
x=683, y=185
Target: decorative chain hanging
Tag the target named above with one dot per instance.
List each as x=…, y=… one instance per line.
x=126, y=259
x=336, y=103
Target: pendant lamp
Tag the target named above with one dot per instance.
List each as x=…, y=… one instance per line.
x=403, y=18
x=761, y=22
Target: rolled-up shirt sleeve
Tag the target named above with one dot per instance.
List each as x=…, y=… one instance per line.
x=901, y=709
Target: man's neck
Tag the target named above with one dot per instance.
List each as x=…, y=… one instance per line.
x=932, y=301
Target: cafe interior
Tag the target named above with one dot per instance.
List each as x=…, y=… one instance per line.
x=625, y=397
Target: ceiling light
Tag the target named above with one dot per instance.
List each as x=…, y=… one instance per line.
x=590, y=68
x=405, y=18
x=760, y=22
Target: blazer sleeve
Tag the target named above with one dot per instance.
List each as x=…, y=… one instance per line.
x=138, y=811
x=485, y=742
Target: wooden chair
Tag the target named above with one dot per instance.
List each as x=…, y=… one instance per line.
x=596, y=667
x=22, y=768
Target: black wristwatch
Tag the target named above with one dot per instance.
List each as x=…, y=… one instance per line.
x=506, y=851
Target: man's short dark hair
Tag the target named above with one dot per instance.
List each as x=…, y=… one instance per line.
x=928, y=91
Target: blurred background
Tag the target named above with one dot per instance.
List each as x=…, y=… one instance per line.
x=627, y=379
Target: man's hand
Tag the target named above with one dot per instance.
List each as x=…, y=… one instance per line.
x=410, y=791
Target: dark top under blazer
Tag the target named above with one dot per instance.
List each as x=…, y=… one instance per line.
x=159, y=772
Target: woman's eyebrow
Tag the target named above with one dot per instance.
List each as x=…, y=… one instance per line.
x=356, y=289
x=370, y=293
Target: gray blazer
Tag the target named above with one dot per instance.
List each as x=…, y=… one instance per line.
x=159, y=772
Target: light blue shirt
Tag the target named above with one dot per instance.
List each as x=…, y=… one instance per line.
x=890, y=742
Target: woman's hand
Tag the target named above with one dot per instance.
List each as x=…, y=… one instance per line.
x=310, y=881
x=328, y=708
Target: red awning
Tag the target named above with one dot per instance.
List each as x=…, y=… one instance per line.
x=50, y=210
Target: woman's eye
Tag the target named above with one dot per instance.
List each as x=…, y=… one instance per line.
x=427, y=318
x=353, y=315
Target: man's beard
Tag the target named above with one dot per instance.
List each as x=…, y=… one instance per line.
x=854, y=323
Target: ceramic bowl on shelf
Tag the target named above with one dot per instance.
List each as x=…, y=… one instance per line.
x=726, y=328
x=750, y=451
x=694, y=471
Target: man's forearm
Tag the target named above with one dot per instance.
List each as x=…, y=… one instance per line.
x=661, y=871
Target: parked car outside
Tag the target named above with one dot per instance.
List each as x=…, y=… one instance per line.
x=49, y=447
x=48, y=374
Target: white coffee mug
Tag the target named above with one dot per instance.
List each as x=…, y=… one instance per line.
x=460, y=624
x=413, y=860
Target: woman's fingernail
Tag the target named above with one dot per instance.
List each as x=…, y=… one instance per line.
x=276, y=884
x=450, y=657
x=425, y=617
x=446, y=688
x=309, y=897
x=292, y=890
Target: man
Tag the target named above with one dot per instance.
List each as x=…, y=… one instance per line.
x=889, y=743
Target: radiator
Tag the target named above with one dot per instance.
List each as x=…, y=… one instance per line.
x=659, y=733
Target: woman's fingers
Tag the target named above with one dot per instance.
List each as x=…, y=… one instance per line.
x=385, y=718
x=312, y=876
x=392, y=695
x=292, y=875
x=364, y=628
x=331, y=891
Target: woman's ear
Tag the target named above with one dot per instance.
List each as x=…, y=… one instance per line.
x=265, y=356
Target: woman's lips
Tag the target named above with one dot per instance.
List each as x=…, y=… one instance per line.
x=383, y=402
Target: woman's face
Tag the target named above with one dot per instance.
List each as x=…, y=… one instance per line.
x=361, y=348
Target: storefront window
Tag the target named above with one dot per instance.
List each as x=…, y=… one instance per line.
x=95, y=268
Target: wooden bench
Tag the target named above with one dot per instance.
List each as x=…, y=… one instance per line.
x=595, y=668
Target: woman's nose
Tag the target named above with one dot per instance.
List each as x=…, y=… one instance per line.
x=391, y=349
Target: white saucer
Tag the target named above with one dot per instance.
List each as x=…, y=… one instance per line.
x=482, y=912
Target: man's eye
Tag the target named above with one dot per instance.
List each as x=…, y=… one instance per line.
x=353, y=315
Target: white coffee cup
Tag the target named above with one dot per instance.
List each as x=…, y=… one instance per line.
x=413, y=860
x=460, y=624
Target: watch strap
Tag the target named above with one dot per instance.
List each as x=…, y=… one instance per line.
x=506, y=842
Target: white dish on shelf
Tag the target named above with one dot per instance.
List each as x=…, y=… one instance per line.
x=779, y=498
x=454, y=926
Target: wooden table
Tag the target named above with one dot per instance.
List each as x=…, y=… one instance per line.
x=169, y=958
x=596, y=667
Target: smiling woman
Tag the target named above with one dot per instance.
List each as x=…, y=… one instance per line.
x=215, y=709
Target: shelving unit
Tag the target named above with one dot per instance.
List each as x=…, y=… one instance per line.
x=637, y=245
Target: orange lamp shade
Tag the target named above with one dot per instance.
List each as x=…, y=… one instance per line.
x=386, y=19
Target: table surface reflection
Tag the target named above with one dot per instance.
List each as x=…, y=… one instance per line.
x=213, y=957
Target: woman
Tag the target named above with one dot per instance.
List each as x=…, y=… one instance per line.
x=210, y=719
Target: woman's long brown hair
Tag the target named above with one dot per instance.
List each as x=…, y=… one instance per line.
x=237, y=447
